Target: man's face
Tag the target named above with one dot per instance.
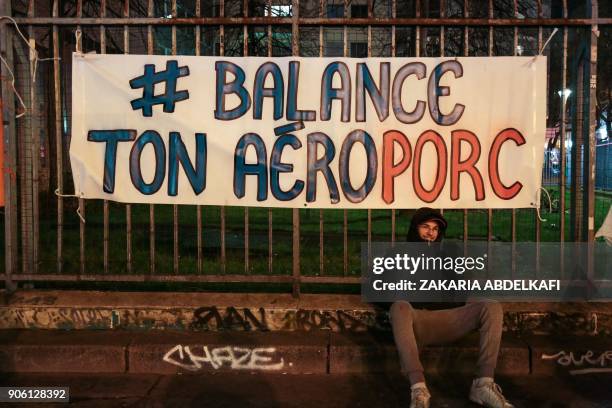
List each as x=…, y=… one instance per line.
x=429, y=230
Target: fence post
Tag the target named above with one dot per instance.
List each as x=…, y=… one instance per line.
x=7, y=103
x=592, y=126
x=592, y=141
x=295, y=13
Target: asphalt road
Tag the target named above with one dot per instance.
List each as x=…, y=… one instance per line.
x=316, y=391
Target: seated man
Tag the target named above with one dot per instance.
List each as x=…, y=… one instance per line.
x=414, y=328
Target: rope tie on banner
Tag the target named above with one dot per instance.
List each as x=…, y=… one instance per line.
x=78, y=211
x=57, y=193
x=550, y=37
x=12, y=83
x=538, y=206
x=33, y=60
x=77, y=37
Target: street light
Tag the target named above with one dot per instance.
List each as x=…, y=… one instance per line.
x=565, y=93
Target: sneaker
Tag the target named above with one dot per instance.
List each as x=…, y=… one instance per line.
x=420, y=398
x=489, y=395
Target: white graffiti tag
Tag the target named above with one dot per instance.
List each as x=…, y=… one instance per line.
x=600, y=363
x=237, y=358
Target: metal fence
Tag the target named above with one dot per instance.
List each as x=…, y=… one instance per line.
x=46, y=240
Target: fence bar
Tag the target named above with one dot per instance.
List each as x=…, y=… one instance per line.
x=222, y=208
x=513, y=211
x=245, y=52
x=321, y=244
x=393, y=222
x=490, y=210
x=7, y=110
x=466, y=34
x=221, y=28
x=199, y=237
x=222, y=232
x=577, y=154
x=175, y=207
x=344, y=212
x=563, y=163
x=151, y=206
x=79, y=44
x=151, y=239
x=592, y=141
x=490, y=28
x=198, y=46
x=32, y=177
x=105, y=204
x=198, y=31
x=369, y=227
x=247, y=268
x=269, y=41
x=442, y=14
x=59, y=149
x=538, y=225
x=128, y=207
x=417, y=30
x=296, y=252
x=175, y=239
x=321, y=224
x=465, y=53
x=393, y=54
x=538, y=229
x=270, y=242
x=370, y=4
x=296, y=268
x=270, y=228
x=245, y=40
x=345, y=242
x=320, y=41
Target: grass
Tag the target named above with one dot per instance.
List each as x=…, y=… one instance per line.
x=258, y=231
x=333, y=237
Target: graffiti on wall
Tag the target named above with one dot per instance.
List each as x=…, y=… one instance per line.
x=232, y=357
x=229, y=318
x=206, y=318
x=55, y=318
x=337, y=320
x=588, y=362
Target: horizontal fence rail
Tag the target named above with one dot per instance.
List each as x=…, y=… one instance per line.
x=229, y=21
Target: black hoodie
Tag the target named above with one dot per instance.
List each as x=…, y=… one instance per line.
x=438, y=249
x=422, y=215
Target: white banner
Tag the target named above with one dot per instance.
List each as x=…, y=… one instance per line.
x=309, y=132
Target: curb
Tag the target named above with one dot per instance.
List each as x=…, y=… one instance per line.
x=320, y=352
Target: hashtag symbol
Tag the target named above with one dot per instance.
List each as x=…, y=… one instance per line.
x=147, y=83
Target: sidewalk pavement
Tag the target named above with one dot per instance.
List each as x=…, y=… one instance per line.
x=230, y=390
x=315, y=352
